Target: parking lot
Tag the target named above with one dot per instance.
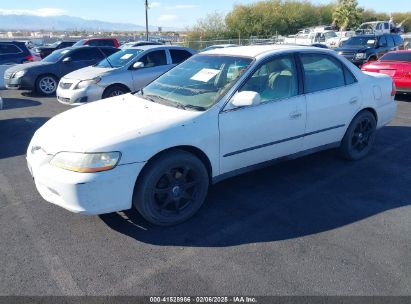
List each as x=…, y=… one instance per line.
x=318, y=225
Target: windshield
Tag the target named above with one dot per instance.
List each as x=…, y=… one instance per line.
x=119, y=59
x=56, y=55
x=55, y=44
x=329, y=35
x=401, y=56
x=360, y=41
x=80, y=42
x=198, y=82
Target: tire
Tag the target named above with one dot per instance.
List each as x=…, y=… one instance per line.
x=360, y=135
x=171, y=188
x=115, y=90
x=46, y=85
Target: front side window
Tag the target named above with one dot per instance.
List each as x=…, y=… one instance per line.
x=199, y=82
x=321, y=72
x=153, y=59
x=275, y=79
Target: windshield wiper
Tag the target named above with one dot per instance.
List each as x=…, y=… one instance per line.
x=162, y=100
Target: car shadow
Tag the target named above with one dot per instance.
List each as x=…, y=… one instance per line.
x=36, y=95
x=16, y=133
x=403, y=97
x=16, y=103
x=310, y=195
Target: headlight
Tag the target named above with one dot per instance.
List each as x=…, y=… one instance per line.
x=360, y=56
x=19, y=74
x=86, y=162
x=85, y=83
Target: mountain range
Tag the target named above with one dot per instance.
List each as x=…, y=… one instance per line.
x=68, y=23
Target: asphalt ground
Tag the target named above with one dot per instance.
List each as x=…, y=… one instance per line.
x=318, y=225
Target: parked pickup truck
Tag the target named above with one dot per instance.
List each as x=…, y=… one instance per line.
x=363, y=48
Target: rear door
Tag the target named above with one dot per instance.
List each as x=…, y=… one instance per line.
x=155, y=64
x=333, y=97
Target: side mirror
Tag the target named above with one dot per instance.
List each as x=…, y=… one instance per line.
x=67, y=59
x=138, y=65
x=246, y=98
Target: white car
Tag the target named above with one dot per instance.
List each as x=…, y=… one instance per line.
x=219, y=113
x=125, y=71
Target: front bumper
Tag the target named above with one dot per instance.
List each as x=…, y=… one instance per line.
x=18, y=84
x=80, y=96
x=85, y=193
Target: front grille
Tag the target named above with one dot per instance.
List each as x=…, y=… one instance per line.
x=347, y=54
x=63, y=99
x=65, y=85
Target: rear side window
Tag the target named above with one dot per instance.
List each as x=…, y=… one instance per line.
x=86, y=54
x=390, y=41
x=104, y=42
x=349, y=77
x=321, y=72
x=178, y=56
x=9, y=49
x=108, y=51
x=153, y=59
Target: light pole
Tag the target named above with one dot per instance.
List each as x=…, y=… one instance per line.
x=146, y=4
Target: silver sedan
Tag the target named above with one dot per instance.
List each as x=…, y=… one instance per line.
x=126, y=71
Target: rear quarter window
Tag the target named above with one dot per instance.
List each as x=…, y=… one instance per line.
x=9, y=49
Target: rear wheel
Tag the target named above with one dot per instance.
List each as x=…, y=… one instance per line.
x=360, y=135
x=115, y=91
x=171, y=188
x=46, y=84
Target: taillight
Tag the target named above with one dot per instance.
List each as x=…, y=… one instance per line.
x=394, y=89
x=29, y=58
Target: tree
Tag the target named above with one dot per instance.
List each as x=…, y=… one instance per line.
x=346, y=14
x=211, y=27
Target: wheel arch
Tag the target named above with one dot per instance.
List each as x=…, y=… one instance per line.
x=117, y=84
x=372, y=111
x=197, y=152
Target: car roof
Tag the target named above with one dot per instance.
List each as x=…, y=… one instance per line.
x=257, y=50
x=156, y=46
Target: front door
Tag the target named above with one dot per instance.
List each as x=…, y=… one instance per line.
x=272, y=129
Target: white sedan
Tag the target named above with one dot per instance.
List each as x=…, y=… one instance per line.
x=220, y=113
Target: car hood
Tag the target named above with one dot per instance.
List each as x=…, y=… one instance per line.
x=108, y=125
x=89, y=72
x=353, y=48
x=27, y=66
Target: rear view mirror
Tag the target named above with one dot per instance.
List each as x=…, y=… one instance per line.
x=246, y=98
x=138, y=65
x=67, y=59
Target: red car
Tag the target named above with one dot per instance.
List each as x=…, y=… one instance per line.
x=395, y=64
x=98, y=42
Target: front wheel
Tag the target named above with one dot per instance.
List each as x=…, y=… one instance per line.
x=46, y=85
x=360, y=135
x=171, y=188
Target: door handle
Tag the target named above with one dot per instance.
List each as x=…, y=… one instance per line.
x=295, y=115
x=353, y=100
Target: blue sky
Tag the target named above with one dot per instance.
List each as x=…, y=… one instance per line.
x=173, y=13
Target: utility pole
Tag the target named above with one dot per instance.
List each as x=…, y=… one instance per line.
x=146, y=19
